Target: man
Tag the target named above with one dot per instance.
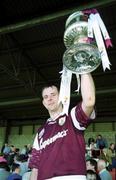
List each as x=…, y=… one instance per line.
x=110, y=156
x=103, y=172
x=91, y=164
x=15, y=172
x=59, y=146
x=91, y=175
x=101, y=143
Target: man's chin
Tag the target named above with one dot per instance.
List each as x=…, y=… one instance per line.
x=52, y=109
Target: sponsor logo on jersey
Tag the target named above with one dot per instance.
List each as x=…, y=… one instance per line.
x=42, y=144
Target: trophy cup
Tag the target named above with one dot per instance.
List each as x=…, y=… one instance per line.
x=81, y=56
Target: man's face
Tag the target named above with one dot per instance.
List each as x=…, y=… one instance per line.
x=112, y=146
x=91, y=177
x=89, y=166
x=50, y=98
x=99, y=137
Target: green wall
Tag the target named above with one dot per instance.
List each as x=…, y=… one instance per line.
x=22, y=135
x=26, y=136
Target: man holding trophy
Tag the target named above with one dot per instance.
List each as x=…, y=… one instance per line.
x=59, y=147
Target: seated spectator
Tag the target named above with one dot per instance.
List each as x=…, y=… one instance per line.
x=91, y=146
x=96, y=153
x=10, y=158
x=103, y=172
x=15, y=172
x=91, y=164
x=103, y=154
x=110, y=155
x=101, y=142
x=4, y=169
x=22, y=160
x=91, y=141
x=24, y=150
x=6, y=149
x=91, y=175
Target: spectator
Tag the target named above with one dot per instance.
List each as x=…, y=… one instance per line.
x=110, y=155
x=91, y=164
x=90, y=141
x=91, y=175
x=15, y=172
x=24, y=150
x=22, y=161
x=6, y=149
x=4, y=169
x=10, y=157
x=103, y=172
x=101, y=142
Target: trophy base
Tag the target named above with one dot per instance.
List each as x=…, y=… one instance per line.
x=82, y=58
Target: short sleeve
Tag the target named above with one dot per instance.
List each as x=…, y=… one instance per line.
x=80, y=119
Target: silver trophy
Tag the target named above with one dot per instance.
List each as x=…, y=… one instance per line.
x=80, y=57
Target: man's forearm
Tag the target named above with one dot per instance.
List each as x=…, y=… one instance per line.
x=88, y=92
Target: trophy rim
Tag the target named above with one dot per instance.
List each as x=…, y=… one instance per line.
x=72, y=16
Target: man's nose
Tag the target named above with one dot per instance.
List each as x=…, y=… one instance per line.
x=49, y=98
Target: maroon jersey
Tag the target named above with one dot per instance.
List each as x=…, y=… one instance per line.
x=59, y=146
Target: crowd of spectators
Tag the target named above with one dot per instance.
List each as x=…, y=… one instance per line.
x=100, y=160
x=14, y=162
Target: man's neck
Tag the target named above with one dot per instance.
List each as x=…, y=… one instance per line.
x=56, y=113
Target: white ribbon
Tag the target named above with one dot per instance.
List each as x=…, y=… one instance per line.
x=97, y=25
x=90, y=29
x=102, y=26
x=65, y=88
x=64, y=96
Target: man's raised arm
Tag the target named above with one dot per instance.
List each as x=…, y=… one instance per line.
x=88, y=93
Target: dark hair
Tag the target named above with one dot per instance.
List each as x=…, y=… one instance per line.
x=49, y=85
x=15, y=166
x=21, y=157
x=5, y=166
x=99, y=135
x=90, y=140
x=92, y=174
x=111, y=144
x=93, y=162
